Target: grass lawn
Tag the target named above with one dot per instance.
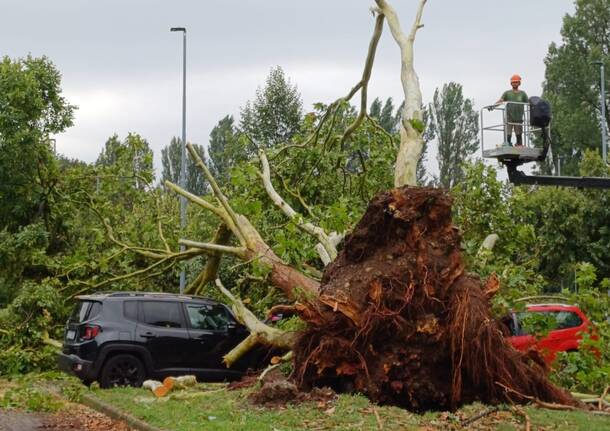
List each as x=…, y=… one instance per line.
x=213, y=407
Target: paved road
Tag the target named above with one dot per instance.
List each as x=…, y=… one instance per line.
x=17, y=421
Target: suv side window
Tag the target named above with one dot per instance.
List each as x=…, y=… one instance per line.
x=130, y=310
x=208, y=317
x=85, y=310
x=159, y=313
x=567, y=319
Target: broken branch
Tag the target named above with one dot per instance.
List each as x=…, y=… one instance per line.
x=259, y=332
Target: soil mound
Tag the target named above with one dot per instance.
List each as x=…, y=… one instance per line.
x=399, y=320
x=278, y=391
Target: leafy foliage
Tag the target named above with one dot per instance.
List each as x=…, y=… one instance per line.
x=171, y=156
x=29, y=399
x=455, y=124
x=572, y=81
x=30, y=318
x=131, y=159
x=544, y=243
x=274, y=115
x=226, y=148
x=31, y=110
x=387, y=117
x=96, y=217
x=19, y=251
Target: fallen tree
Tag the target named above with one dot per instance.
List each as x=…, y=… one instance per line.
x=395, y=315
x=398, y=318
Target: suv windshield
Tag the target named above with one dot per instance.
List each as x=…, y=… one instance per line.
x=85, y=310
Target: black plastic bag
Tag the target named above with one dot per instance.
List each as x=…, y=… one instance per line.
x=540, y=112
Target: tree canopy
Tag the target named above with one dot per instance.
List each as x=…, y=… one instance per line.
x=572, y=81
x=32, y=110
x=273, y=117
x=455, y=124
x=170, y=167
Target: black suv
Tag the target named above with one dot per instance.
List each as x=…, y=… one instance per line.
x=121, y=338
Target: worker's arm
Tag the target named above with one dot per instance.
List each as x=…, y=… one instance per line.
x=500, y=100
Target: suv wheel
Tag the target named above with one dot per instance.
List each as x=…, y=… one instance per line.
x=122, y=370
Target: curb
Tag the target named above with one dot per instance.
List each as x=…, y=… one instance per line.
x=95, y=403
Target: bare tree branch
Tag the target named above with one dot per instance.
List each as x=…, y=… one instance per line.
x=160, y=227
x=219, y=212
x=364, y=82
x=283, y=276
x=210, y=246
x=326, y=249
x=218, y=194
x=411, y=141
x=210, y=271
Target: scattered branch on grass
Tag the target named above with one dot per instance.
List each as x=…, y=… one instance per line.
x=478, y=416
x=602, y=399
x=377, y=418
x=540, y=403
x=602, y=402
x=528, y=424
x=287, y=357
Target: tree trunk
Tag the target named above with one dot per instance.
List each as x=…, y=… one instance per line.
x=411, y=141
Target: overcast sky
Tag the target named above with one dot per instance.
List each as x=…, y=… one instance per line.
x=122, y=67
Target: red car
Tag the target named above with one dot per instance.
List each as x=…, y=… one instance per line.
x=568, y=321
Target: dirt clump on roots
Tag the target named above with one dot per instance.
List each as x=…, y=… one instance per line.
x=400, y=320
x=277, y=391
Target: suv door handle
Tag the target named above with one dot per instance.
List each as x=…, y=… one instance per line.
x=148, y=335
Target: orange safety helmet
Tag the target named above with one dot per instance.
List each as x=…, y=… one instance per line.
x=515, y=78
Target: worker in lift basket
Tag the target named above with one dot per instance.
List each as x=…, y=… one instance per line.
x=514, y=111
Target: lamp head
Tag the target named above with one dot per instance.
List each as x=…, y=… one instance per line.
x=178, y=29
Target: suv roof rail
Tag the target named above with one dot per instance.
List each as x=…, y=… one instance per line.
x=119, y=294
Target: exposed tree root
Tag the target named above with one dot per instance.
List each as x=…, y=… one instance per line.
x=399, y=320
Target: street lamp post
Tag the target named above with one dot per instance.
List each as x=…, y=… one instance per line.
x=183, y=148
x=602, y=90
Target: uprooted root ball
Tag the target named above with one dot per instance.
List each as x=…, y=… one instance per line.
x=399, y=320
